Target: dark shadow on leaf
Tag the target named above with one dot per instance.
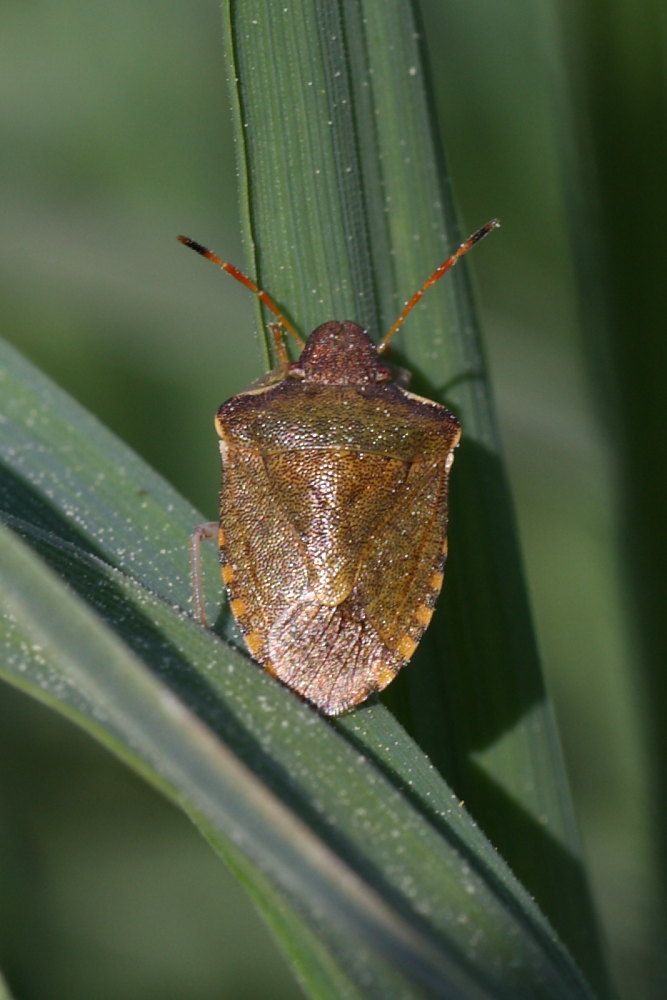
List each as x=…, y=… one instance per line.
x=20, y=498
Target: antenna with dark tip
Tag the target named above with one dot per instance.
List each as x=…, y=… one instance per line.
x=437, y=274
x=245, y=280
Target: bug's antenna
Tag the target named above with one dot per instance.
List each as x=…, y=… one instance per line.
x=437, y=274
x=245, y=280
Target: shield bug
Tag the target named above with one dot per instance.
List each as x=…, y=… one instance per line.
x=333, y=508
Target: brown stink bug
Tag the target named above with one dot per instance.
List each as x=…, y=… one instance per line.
x=333, y=509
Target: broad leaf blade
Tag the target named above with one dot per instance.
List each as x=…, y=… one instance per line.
x=381, y=814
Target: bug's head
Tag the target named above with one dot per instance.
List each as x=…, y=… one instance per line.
x=340, y=353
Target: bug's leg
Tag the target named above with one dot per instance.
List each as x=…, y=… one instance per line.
x=278, y=334
x=208, y=529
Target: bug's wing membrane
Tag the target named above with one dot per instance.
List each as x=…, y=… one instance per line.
x=331, y=656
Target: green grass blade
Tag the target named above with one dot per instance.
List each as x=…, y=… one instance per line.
x=348, y=210
x=384, y=837
x=131, y=709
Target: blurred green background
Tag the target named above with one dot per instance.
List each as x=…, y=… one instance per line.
x=116, y=137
